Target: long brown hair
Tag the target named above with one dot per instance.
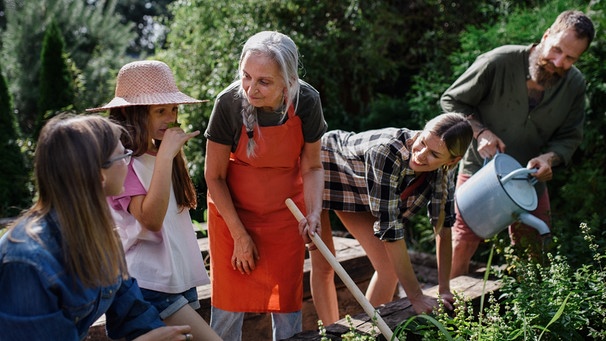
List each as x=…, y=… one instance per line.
x=68, y=159
x=135, y=119
x=456, y=132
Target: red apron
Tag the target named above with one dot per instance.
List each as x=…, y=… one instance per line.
x=258, y=188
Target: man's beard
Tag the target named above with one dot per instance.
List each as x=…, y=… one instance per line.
x=539, y=73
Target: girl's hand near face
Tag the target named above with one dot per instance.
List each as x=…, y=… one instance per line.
x=150, y=209
x=173, y=141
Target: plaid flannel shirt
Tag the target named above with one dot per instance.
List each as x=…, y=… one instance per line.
x=368, y=171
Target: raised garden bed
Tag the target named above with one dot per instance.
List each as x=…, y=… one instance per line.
x=353, y=259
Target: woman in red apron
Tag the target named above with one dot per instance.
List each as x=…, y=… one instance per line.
x=263, y=147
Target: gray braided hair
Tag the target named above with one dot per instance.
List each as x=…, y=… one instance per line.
x=280, y=48
x=249, y=118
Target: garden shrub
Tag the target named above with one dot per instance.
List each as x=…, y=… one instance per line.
x=536, y=302
x=14, y=194
x=56, y=84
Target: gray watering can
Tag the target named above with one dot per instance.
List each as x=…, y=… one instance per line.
x=499, y=194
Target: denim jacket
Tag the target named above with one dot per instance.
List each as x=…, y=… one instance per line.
x=42, y=301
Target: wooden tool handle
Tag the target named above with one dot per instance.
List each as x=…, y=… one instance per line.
x=349, y=283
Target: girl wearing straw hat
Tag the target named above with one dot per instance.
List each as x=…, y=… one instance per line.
x=263, y=147
x=61, y=263
x=152, y=214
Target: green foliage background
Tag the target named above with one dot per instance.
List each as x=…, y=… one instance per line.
x=56, y=83
x=376, y=63
x=95, y=41
x=360, y=55
x=14, y=193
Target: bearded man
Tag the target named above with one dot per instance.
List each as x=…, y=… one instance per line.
x=528, y=102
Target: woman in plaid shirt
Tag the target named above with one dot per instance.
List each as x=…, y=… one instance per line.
x=375, y=181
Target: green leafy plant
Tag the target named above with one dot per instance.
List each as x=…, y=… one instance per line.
x=352, y=334
x=536, y=302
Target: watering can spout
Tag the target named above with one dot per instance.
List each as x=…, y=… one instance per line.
x=541, y=227
x=534, y=222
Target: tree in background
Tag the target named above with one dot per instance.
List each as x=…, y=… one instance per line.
x=146, y=14
x=2, y=17
x=14, y=194
x=95, y=40
x=56, y=83
x=353, y=52
x=376, y=63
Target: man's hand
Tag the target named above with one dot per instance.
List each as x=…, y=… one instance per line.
x=489, y=144
x=543, y=164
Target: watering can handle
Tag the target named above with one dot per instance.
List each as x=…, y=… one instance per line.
x=486, y=159
x=521, y=171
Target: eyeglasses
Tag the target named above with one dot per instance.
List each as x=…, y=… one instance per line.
x=126, y=157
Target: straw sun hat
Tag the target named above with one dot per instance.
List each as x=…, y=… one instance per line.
x=147, y=82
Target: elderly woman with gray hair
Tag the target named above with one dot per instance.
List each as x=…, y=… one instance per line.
x=263, y=147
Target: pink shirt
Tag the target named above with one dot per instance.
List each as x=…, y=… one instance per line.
x=169, y=260
x=132, y=187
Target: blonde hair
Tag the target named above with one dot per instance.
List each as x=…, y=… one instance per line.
x=283, y=50
x=456, y=132
x=68, y=160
